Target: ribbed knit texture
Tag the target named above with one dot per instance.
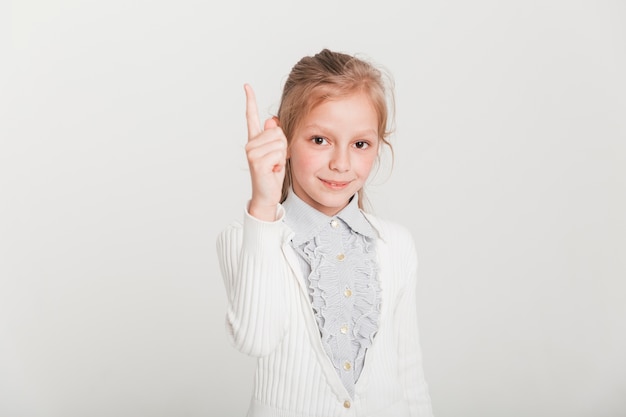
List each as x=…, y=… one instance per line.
x=270, y=317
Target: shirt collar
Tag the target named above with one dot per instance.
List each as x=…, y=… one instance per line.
x=306, y=222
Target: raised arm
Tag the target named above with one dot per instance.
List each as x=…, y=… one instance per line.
x=266, y=151
x=250, y=254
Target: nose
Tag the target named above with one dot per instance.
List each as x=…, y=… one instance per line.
x=340, y=160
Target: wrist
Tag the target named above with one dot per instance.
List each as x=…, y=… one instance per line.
x=260, y=211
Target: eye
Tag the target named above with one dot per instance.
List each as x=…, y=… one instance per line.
x=318, y=140
x=361, y=145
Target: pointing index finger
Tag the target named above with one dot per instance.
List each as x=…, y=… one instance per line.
x=252, y=113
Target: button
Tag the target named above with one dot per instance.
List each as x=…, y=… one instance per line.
x=344, y=329
x=347, y=366
x=334, y=223
x=346, y=404
x=347, y=292
x=341, y=257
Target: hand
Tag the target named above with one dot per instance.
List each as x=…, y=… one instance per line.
x=267, y=155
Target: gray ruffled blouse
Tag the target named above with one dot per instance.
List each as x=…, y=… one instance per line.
x=338, y=260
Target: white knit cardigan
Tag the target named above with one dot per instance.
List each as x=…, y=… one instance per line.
x=270, y=317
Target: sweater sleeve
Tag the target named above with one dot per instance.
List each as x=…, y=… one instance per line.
x=409, y=351
x=255, y=275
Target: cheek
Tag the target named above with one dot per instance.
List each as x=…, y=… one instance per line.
x=366, y=165
x=304, y=163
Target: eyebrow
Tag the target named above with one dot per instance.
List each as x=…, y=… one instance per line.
x=365, y=132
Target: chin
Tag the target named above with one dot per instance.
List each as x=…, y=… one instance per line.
x=335, y=204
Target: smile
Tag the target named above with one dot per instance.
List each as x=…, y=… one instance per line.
x=335, y=185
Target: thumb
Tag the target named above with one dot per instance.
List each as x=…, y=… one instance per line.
x=270, y=123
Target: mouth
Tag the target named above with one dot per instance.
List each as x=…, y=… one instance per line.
x=335, y=185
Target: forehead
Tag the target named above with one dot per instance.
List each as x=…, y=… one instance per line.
x=345, y=104
x=350, y=116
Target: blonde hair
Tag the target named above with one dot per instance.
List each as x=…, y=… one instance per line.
x=327, y=75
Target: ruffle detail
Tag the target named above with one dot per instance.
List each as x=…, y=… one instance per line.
x=328, y=280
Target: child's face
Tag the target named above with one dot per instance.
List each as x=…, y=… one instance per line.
x=332, y=152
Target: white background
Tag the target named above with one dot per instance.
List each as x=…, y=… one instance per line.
x=121, y=157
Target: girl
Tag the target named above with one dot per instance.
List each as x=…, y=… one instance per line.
x=322, y=293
